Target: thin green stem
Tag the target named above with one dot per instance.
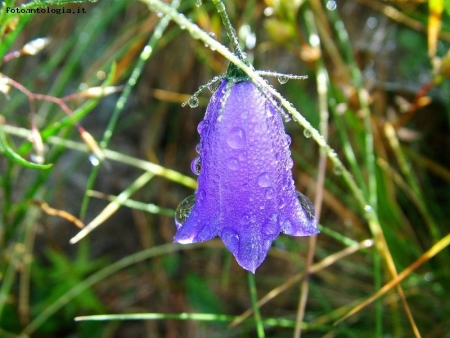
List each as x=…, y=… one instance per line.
x=231, y=32
x=256, y=312
x=205, y=317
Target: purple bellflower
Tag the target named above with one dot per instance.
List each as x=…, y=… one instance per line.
x=246, y=194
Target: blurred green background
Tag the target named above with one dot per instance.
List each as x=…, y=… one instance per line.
x=378, y=90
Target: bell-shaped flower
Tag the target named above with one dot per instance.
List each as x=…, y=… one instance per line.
x=246, y=194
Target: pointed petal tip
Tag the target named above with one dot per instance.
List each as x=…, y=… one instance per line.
x=249, y=266
x=187, y=240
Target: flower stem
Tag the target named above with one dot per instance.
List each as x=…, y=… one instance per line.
x=231, y=32
x=254, y=297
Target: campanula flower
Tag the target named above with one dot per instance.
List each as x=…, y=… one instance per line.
x=246, y=194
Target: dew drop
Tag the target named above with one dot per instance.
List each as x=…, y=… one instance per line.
x=220, y=7
x=231, y=239
x=264, y=180
x=270, y=193
x=367, y=208
x=196, y=165
x=201, y=195
x=236, y=138
x=260, y=128
x=203, y=126
x=307, y=133
x=272, y=226
x=337, y=170
x=331, y=5
x=233, y=163
x=194, y=33
x=282, y=202
x=159, y=14
x=184, y=210
x=307, y=206
x=288, y=140
x=245, y=219
x=283, y=79
x=198, y=148
x=213, y=85
x=94, y=160
x=193, y=102
x=198, y=3
x=289, y=163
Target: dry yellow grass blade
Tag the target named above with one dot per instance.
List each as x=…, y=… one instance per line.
x=434, y=250
x=57, y=212
x=434, y=24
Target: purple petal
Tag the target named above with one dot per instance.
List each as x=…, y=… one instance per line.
x=246, y=194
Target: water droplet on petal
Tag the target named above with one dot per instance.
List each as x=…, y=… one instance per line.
x=245, y=219
x=196, y=165
x=272, y=226
x=233, y=163
x=201, y=195
x=270, y=193
x=260, y=128
x=307, y=206
x=282, y=202
x=198, y=148
x=203, y=126
x=231, y=239
x=307, y=133
x=193, y=102
x=264, y=180
x=184, y=210
x=288, y=140
x=236, y=138
x=283, y=79
x=289, y=163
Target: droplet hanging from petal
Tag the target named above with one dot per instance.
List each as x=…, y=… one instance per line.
x=307, y=205
x=184, y=210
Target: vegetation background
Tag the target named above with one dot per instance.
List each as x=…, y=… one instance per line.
x=378, y=91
